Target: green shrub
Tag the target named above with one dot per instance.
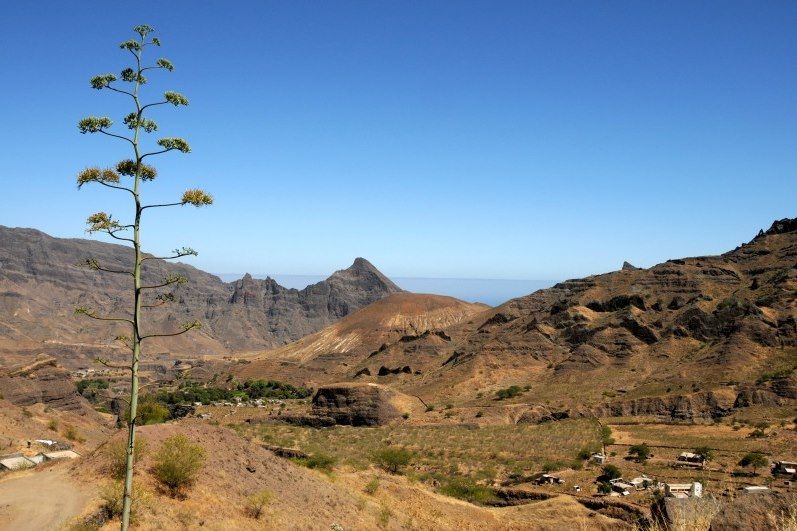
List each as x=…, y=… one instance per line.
x=466, y=489
x=479, y=414
x=53, y=425
x=393, y=460
x=319, y=461
x=177, y=463
x=584, y=454
x=112, y=495
x=551, y=466
x=606, y=435
x=604, y=488
x=755, y=460
x=705, y=452
x=115, y=452
x=640, y=451
x=429, y=408
x=611, y=472
x=257, y=502
x=509, y=392
x=371, y=487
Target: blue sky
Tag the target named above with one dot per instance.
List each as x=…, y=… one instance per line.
x=510, y=140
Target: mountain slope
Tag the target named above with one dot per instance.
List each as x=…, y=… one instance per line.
x=41, y=282
x=699, y=329
x=348, y=347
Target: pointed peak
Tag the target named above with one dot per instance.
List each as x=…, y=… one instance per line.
x=362, y=264
x=246, y=276
x=628, y=266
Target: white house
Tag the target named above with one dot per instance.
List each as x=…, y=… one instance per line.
x=683, y=490
x=15, y=462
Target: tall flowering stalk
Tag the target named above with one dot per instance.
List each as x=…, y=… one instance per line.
x=128, y=176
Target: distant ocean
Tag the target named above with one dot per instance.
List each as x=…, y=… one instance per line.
x=485, y=290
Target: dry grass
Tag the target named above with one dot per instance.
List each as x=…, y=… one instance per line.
x=481, y=452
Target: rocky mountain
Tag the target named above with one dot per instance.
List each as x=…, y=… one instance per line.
x=688, y=338
x=42, y=281
x=349, y=348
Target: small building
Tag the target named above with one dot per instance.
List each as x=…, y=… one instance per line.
x=785, y=468
x=546, y=479
x=755, y=489
x=691, y=460
x=641, y=483
x=61, y=454
x=683, y=490
x=15, y=462
x=598, y=458
x=621, y=486
x=38, y=458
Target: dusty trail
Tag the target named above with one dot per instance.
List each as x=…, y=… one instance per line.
x=43, y=499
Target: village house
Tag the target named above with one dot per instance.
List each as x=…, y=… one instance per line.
x=689, y=459
x=621, y=486
x=546, y=479
x=784, y=468
x=683, y=490
x=642, y=482
x=754, y=489
x=598, y=458
x=15, y=462
x=61, y=454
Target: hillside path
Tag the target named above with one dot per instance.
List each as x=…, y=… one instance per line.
x=42, y=499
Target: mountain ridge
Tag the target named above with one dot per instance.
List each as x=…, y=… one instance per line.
x=41, y=283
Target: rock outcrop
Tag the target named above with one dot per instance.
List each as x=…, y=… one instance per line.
x=42, y=381
x=363, y=404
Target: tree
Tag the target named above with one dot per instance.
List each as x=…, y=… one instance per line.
x=705, y=452
x=393, y=459
x=755, y=460
x=611, y=472
x=135, y=171
x=640, y=451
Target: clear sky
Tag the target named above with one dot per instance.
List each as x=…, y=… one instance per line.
x=512, y=140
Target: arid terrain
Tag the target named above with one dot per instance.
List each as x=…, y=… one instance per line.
x=352, y=404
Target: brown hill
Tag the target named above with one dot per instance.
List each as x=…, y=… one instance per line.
x=702, y=335
x=350, y=347
x=675, y=329
x=41, y=282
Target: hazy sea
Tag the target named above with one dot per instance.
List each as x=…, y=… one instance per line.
x=485, y=290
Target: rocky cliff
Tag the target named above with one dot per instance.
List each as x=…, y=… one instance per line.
x=42, y=281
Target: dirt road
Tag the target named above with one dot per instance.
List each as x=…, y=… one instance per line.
x=40, y=499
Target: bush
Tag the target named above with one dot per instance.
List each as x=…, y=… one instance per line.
x=116, y=453
x=371, y=486
x=72, y=434
x=112, y=496
x=466, y=489
x=584, y=454
x=604, y=488
x=429, y=408
x=754, y=460
x=611, y=472
x=319, y=461
x=393, y=460
x=509, y=392
x=178, y=463
x=551, y=466
x=606, y=435
x=256, y=503
x=53, y=425
x=705, y=452
x=640, y=451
